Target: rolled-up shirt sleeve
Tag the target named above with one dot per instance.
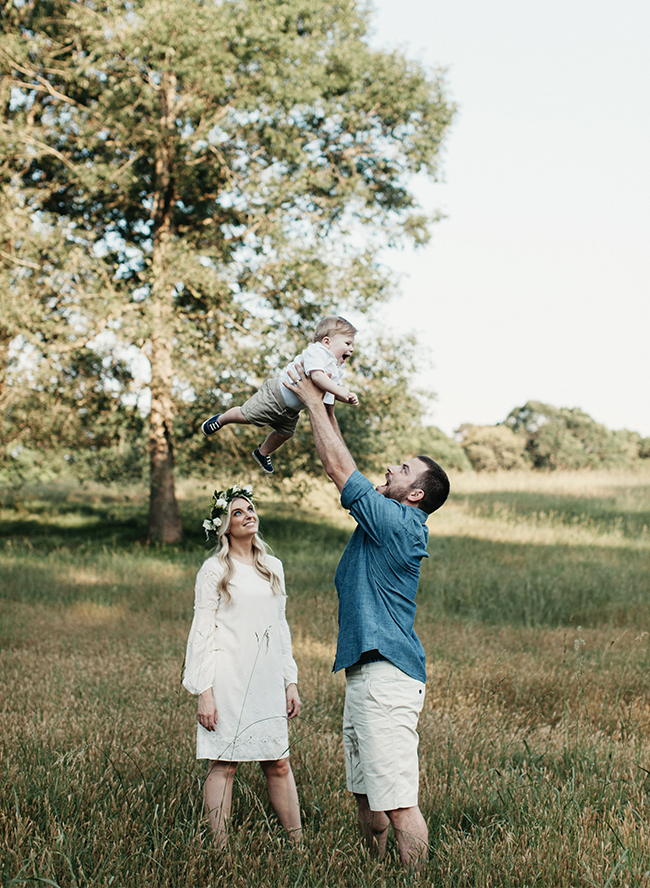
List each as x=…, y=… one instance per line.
x=200, y=656
x=289, y=667
x=377, y=515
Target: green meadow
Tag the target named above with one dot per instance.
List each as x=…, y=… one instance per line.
x=534, y=611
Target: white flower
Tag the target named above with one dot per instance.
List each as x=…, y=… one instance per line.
x=248, y=489
x=235, y=488
x=221, y=503
x=211, y=525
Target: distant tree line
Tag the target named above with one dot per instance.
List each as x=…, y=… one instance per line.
x=386, y=426
x=540, y=436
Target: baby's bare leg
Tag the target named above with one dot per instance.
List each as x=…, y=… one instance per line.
x=234, y=414
x=273, y=441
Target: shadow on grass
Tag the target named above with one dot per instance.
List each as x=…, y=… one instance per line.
x=96, y=553
x=101, y=557
x=100, y=530
x=117, y=524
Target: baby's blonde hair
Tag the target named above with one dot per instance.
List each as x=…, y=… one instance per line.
x=332, y=325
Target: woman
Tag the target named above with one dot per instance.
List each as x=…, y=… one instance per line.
x=239, y=662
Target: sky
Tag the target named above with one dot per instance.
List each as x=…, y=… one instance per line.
x=536, y=285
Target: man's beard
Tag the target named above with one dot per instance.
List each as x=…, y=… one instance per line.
x=396, y=492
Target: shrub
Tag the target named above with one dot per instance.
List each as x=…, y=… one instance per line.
x=431, y=441
x=568, y=438
x=489, y=448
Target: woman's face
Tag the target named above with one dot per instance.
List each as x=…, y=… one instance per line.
x=243, y=520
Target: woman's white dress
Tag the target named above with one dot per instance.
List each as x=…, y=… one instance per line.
x=242, y=650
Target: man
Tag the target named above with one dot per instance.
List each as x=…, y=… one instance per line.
x=383, y=658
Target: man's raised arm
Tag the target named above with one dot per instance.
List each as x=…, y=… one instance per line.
x=331, y=447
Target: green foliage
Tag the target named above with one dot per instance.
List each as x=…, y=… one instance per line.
x=431, y=441
x=72, y=413
x=644, y=448
x=564, y=438
x=490, y=448
x=196, y=183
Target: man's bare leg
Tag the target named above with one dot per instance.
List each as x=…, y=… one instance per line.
x=373, y=825
x=412, y=836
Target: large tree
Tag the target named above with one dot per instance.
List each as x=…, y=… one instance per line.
x=199, y=180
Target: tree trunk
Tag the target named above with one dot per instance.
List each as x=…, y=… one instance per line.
x=4, y=357
x=164, y=517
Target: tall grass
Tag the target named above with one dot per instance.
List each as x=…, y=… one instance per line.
x=535, y=758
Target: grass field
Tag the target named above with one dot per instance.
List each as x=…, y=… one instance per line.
x=534, y=610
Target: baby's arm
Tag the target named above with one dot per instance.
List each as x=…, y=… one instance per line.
x=323, y=381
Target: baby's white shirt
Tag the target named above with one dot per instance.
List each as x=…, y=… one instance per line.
x=315, y=357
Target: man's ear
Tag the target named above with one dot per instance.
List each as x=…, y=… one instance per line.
x=415, y=495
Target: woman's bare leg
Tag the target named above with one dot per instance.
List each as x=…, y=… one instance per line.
x=284, y=796
x=217, y=798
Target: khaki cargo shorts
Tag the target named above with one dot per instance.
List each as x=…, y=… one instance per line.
x=380, y=738
x=267, y=407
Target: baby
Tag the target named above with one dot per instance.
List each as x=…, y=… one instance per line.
x=275, y=406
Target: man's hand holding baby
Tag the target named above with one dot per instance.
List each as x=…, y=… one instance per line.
x=302, y=386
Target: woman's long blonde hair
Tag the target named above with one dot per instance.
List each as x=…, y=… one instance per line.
x=260, y=550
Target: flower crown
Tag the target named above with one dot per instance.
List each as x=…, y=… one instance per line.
x=221, y=499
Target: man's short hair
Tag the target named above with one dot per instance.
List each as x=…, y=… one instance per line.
x=435, y=484
x=332, y=325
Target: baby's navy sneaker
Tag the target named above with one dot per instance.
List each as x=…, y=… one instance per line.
x=212, y=425
x=264, y=462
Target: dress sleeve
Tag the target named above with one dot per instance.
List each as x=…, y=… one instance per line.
x=289, y=667
x=201, y=649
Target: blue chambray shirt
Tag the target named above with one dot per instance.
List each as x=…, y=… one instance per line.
x=377, y=579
